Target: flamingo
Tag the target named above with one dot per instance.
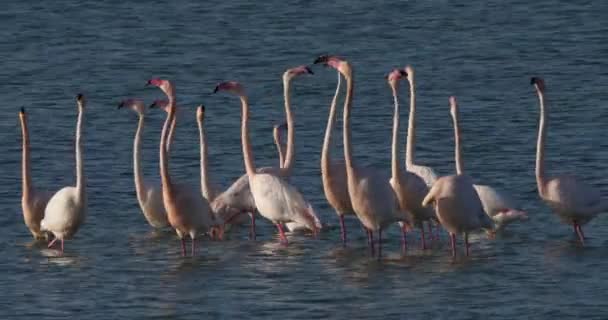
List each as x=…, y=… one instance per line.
x=275, y=199
x=67, y=208
x=149, y=197
x=574, y=201
x=188, y=212
x=457, y=204
x=237, y=199
x=33, y=201
x=499, y=206
x=372, y=197
x=333, y=172
x=276, y=133
x=409, y=188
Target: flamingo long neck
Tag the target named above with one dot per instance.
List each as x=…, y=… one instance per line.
x=290, y=153
x=80, y=177
x=137, y=171
x=458, y=147
x=348, y=159
x=247, y=153
x=325, y=157
x=277, y=141
x=395, y=148
x=171, y=133
x=164, y=158
x=410, y=146
x=540, y=145
x=204, y=173
x=25, y=160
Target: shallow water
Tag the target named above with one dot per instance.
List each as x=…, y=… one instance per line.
x=482, y=53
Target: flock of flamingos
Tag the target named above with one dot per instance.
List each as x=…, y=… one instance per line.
x=412, y=196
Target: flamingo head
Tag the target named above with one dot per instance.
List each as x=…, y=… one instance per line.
x=294, y=72
x=453, y=106
x=81, y=100
x=230, y=86
x=165, y=85
x=22, y=113
x=161, y=104
x=335, y=62
x=410, y=73
x=133, y=104
x=200, y=113
x=395, y=76
x=538, y=83
x=276, y=129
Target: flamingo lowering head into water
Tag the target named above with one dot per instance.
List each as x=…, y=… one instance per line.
x=572, y=200
x=275, y=198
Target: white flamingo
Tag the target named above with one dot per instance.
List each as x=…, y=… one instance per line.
x=499, y=206
x=67, y=209
x=33, y=201
x=333, y=172
x=410, y=188
x=574, y=201
x=371, y=194
x=275, y=199
x=149, y=197
x=237, y=199
x=457, y=204
x=188, y=211
x=276, y=133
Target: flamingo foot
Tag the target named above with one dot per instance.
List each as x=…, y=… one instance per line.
x=423, y=237
x=252, y=228
x=282, y=234
x=453, y=244
x=379, y=244
x=183, y=247
x=370, y=241
x=342, y=230
x=52, y=243
x=466, y=243
x=404, y=239
x=579, y=232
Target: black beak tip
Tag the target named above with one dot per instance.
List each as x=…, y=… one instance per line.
x=403, y=73
x=149, y=82
x=320, y=59
x=79, y=97
x=533, y=80
x=120, y=105
x=202, y=108
x=217, y=88
x=22, y=110
x=152, y=106
x=309, y=70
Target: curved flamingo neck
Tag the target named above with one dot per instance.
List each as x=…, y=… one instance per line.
x=25, y=160
x=410, y=146
x=204, y=173
x=348, y=159
x=277, y=141
x=80, y=177
x=540, y=145
x=247, y=153
x=164, y=158
x=325, y=157
x=395, y=170
x=458, y=147
x=171, y=133
x=290, y=152
x=137, y=171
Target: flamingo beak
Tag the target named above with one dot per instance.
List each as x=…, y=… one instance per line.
x=308, y=70
x=153, y=105
x=217, y=88
x=122, y=104
x=321, y=59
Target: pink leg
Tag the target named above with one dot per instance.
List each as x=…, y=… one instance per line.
x=252, y=230
x=282, y=234
x=183, y=246
x=370, y=241
x=404, y=239
x=342, y=229
x=52, y=243
x=423, y=237
x=379, y=244
x=466, y=242
x=453, y=242
x=579, y=232
x=193, y=247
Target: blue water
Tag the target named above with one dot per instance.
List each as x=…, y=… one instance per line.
x=484, y=53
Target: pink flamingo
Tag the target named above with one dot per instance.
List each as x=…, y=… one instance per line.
x=371, y=194
x=276, y=199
